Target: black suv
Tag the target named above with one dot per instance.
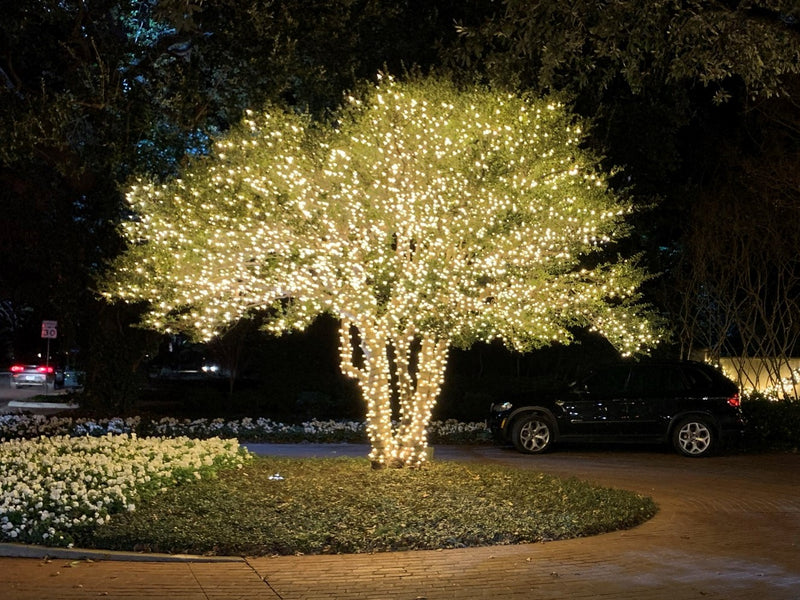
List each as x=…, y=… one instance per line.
x=690, y=404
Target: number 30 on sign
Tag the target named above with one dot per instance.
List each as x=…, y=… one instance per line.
x=49, y=329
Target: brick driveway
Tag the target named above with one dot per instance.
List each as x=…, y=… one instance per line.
x=728, y=528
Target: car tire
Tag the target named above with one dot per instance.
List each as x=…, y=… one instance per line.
x=694, y=437
x=533, y=434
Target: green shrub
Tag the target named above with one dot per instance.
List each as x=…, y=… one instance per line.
x=771, y=424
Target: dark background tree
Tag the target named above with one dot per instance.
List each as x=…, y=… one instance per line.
x=740, y=268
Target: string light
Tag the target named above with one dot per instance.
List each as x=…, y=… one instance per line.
x=428, y=218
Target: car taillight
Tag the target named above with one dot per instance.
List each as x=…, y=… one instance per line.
x=49, y=370
x=17, y=369
x=735, y=401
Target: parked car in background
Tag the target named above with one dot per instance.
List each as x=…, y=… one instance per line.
x=36, y=375
x=689, y=404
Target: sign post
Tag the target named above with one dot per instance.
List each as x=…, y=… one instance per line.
x=49, y=332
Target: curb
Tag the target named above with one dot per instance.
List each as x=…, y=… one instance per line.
x=31, y=551
x=23, y=404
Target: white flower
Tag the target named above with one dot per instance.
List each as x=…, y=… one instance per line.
x=72, y=481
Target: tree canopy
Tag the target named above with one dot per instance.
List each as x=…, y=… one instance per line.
x=585, y=43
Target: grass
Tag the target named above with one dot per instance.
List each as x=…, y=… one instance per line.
x=315, y=506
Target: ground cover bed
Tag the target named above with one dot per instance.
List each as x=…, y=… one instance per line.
x=340, y=505
x=185, y=495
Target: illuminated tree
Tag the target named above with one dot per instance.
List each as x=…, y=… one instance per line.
x=428, y=217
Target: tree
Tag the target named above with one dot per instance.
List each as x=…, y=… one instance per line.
x=428, y=217
x=741, y=277
x=585, y=44
x=739, y=271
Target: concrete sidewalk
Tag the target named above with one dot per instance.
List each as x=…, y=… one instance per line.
x=728, y=528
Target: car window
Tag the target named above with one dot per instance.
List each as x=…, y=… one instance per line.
x=607, y=381
x=649, y=380
x=698, y=379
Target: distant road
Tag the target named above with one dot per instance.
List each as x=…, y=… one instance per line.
x=8, y=393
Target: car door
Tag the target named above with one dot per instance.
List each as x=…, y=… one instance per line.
x=651, y=390
x=595, y=407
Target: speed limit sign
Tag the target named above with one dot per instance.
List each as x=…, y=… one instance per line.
x=49, y=330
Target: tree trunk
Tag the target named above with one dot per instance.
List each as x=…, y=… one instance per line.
x=388, y=368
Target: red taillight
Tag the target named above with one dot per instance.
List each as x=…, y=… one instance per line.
x=48, y=370
x=735, y=401
x=17, y=369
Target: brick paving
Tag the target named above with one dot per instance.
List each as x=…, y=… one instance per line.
x=728, y=529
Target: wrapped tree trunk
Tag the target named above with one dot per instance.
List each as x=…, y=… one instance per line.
x=401, y=369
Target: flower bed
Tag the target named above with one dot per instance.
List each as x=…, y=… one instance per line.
x=246, y=429
x=63, y=475
x=52, y=487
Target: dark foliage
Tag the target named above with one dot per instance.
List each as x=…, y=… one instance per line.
x=771, y=425
x=329, y=506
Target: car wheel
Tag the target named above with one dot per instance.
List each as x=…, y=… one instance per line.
x=694, y=437
x=532, y=434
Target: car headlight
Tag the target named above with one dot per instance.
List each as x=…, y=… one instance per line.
x=502, y=407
